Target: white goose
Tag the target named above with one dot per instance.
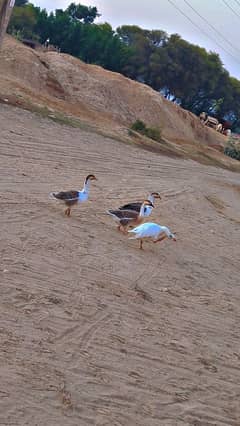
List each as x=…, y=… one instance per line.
x=126, y=218
x=151, y=231
x=72, y=197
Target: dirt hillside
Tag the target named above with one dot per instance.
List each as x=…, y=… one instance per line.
x=98, y=96
x=94, y=331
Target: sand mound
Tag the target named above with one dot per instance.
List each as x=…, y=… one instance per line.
x=64, y=83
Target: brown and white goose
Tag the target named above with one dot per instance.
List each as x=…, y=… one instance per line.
x=127, y=218
x=72, y=197
x=136, y=206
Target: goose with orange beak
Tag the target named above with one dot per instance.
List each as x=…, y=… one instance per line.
x=73, y=197
x=136, y=206
x=126, y=218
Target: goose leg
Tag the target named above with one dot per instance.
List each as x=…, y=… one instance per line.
x=160, y=239
x=68, y=211
x=122, y=229
x=141, y=245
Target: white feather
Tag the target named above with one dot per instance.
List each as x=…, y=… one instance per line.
x=150, y=230
x=51, y=196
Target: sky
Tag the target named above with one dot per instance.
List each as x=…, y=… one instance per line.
x=213, y=24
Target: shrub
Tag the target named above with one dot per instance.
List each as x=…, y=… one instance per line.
x=139, y=126
x=232, y=150
x=151, y=132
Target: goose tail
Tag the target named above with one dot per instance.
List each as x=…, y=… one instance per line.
x=52, y=195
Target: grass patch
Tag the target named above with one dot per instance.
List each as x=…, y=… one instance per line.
x=232, y=149
x=139, y=126
x=58, y=117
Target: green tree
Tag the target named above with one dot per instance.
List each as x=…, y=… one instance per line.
x=20, y=3
x=23, y=21
x=135, y=38
x=59, y=30
x=102, y=46
x=86, y=14
x=42, y=25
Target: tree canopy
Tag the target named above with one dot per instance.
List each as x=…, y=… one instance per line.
x=20, y=2
x=82, y=13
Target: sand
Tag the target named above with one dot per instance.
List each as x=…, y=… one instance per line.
x=94, y=331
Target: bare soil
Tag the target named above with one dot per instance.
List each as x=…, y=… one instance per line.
x=94, y=331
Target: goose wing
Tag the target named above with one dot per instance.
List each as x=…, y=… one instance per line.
x=66, y=195
x=147, y=230
x=131, y=206
x=123, y=214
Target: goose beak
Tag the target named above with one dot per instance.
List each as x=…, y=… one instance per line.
x=156, y=195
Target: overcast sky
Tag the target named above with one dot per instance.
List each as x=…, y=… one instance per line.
x=221, y=32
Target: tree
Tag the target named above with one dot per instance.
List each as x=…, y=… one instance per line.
x=102, y=46
x=20, y=3
x=137, y=41
x=85, y=14
x=42, y=24
x=59, y=30
x=23, y=21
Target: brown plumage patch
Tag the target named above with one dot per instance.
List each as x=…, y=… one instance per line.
x=131, y=206
x=132, y=221
x=136, y=206
x=124, y=214
x=69, y=197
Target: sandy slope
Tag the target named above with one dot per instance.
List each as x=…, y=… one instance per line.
x=93, y=331
x=94, y=94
